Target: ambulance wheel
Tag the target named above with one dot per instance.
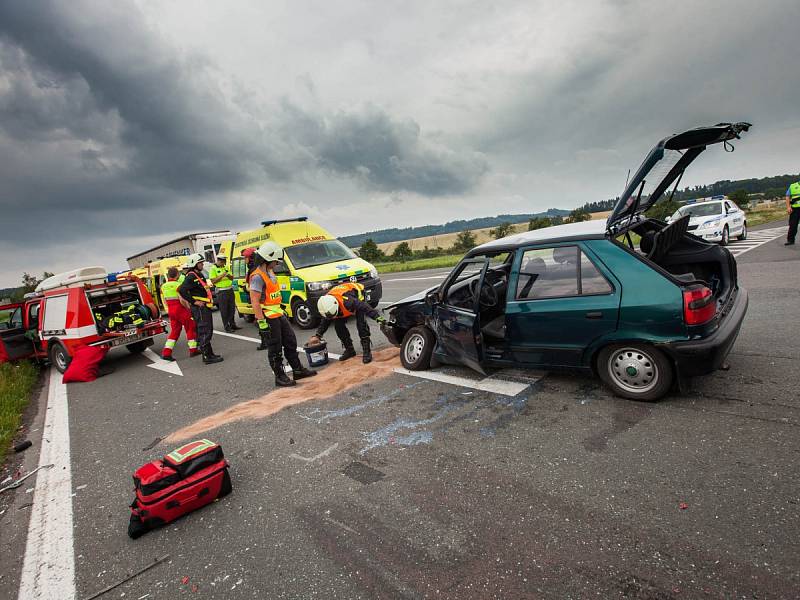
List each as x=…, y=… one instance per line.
x=59, y=357
x=137, y=347
x=248, y=318
x=302, y=314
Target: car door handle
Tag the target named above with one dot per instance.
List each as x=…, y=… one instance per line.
x=594, y=315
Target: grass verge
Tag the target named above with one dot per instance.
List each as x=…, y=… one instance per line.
x=419, y=264
x=17, y=381
x=759, y=217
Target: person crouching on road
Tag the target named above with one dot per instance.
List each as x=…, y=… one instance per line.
x=197, y=293
x=180, y=316
x=222, y=279
x=338, y=305
x=273, y=326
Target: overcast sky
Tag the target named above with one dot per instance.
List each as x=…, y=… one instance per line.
x=123, y=124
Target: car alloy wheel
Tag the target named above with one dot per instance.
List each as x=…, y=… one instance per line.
x=726, y=236
x=414, y=348
x=743, y=235
x=633, y=370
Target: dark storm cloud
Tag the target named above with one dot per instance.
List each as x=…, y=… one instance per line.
x=390, y=155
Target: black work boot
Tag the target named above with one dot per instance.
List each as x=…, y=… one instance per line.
x=366, y=348
x=298, y=370
x=349, y=352
x=281, y=379
x=264, y=335
x=209, y=357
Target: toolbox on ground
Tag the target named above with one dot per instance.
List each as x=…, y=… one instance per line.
x=186, y=479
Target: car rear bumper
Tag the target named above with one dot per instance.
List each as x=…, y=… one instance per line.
x=703, y=356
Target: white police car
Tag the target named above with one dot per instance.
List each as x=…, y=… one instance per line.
x=714, y=220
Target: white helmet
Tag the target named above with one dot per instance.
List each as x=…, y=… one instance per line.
x=328, y=306
x=270, y=251
x=193, y=260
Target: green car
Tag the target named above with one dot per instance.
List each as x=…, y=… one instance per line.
x=644, y=317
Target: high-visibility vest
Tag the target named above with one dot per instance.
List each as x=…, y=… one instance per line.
x=169, y=290
x=794, y=192
x=271, y=301
x=340, y=290
x=215, y=272
x=208, y=298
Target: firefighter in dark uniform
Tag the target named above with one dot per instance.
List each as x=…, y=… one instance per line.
x=196, y=291
x=274, y=328
x=338, y=305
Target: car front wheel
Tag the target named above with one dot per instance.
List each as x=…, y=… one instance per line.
x=59, y=357
x=726, y=236
x=743, y=235
x=635, y=371
x=416, y=349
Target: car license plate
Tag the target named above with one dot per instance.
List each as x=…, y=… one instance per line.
x=368, y=296
x=128, y=339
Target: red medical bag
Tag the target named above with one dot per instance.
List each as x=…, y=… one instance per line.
x=186, y=479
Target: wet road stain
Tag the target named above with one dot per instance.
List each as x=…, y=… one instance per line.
x=625, y=417
x=363, y=473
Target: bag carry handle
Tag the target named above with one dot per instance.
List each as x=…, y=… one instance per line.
x=175, y=503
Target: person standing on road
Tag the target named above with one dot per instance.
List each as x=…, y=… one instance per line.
x=793, y=208
x=274, y=328
x=180, y=316
x=338, y=305
x=197, y=293
x=222, y=279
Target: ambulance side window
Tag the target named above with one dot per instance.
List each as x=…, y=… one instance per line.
x=239, y=268
x=281, y=268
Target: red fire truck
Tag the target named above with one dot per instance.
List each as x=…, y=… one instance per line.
x=81, y=307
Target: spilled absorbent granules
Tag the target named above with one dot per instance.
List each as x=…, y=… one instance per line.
x=331, y=380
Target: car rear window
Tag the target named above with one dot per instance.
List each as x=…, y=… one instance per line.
x=558, y=272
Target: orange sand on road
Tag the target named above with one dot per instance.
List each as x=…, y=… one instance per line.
x=331, y=380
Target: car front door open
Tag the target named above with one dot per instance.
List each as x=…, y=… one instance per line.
x=15, y=344
x=457, y=321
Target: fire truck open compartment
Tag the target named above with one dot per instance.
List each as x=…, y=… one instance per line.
x=107, y=301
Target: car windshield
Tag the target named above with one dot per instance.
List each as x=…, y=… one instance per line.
x=318, y=253
x=711, y=209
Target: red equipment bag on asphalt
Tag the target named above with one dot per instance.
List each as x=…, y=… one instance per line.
x=186, y=479
x=85, y=364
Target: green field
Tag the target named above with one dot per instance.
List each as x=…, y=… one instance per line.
x=16, y=384
x=436, y=262
x=759, y=217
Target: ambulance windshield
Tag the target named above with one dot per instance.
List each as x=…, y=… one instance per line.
x=318, y=253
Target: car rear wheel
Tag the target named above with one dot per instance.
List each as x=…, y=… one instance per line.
x=743, y=235
x=416, y=349
x=635, y=371
x=726, y=236
x=302, y=314
x=58, y=356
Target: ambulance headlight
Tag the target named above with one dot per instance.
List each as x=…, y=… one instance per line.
x=318, y=286
x=373, y=273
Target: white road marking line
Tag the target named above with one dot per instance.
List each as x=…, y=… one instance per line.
x=489, y=384
x=161, y=364
x=48, y=571
x=415, y=278
x=756, y=239
x=322, y=454
x=300, y=349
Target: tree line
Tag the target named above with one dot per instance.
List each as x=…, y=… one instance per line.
x=29, y=283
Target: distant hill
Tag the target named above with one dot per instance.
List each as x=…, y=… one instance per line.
x=395, y=234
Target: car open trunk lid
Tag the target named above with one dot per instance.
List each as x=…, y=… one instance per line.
x=664, y=165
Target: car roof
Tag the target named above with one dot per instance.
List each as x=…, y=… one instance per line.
x=586, y=230
x=706, y=202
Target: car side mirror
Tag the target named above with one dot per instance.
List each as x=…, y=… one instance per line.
x=432, y=297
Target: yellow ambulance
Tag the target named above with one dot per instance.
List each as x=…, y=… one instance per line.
x=157, y=270
x=313, y=262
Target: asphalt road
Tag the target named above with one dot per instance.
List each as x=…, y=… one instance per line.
x=399, y=487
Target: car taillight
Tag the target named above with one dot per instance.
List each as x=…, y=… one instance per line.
x=699, y=305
